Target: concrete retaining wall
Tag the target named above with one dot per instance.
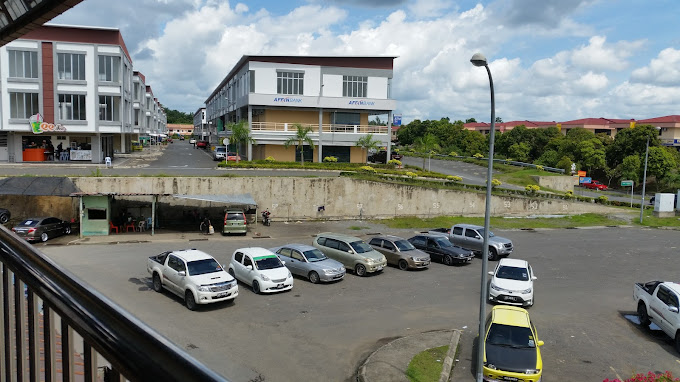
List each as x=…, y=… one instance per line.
x=557, y=183
x=342, y=198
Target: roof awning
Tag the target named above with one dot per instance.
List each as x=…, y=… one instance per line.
x=238, y=199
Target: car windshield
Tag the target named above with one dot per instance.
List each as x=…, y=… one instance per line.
x=220, y=150
x=443, y=242
x=513, y=336
x=267, y=262
x=481, y=232
x=29, y=223
x=314, y=255
x=234, y=216
x=201, y=267
x=361, y=247
x=404, y=245
x=512, y=273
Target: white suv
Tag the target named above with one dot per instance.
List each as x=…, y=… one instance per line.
x=261, y=269
x=512, y=283
x=220, y=153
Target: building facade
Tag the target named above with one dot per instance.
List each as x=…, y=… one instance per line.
x=71, y=92
x=335, y=97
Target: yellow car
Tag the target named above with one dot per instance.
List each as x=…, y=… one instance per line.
x=511, y=346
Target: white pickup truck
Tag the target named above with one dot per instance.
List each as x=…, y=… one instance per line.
x=657, y=302
x=193, y=275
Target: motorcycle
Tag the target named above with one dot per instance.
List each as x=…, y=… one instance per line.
x=265, y=218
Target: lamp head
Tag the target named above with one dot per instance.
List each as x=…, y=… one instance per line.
x=478, y=59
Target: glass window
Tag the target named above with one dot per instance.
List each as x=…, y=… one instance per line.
x=418, y=240
x=201, y=267
x=298, y=256
x=404, y=245
x=72, y=107
x=71, y=66
x=238, y=256
x=289, y=82
x=375, y=241
x=314, y=255
x=470, y=233
x=457, y=230
x=23, y=64
x=284, y=252
x=109, y=68
x=23, y=105
x=513, y=273
x=389, y=246
x=109, y=108
x=354, y=86
x=343, y=246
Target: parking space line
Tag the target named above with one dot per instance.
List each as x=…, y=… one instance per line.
x=617, y=374
x=677, y=360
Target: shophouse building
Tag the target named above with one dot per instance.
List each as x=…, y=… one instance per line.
x=204, y=130
x=70, y=93
x=334, y=96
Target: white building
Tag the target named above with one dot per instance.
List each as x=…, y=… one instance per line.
x=73, y=88
x=334, y=96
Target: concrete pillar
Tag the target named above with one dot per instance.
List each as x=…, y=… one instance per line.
x=389, y=136
x=250, y=129
x=320, y=154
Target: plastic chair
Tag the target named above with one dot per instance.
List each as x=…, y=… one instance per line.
x=107, y=161
x=112, y=227
x=141, y=226
x=149, y=223
x=129, y=225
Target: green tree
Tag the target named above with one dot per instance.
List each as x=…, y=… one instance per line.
x=630, y=168
x=631, y=142
x=367, y=142
x=519, y=151
x=427, y=145
x=565, y=163
x=175, y=116
x=591, y=154
x=549, y=158
x=301, y=137
x=470, y=120
x=240, y=134
x=660, y=164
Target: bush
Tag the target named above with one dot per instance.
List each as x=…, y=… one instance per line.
x=411, y=174
x=270, y=159
x=649, y=377
x=602, y=199
x=453, y=154
x=532, y=189
x=366, y=169
x=539, y=167
x=478, y=156
x=569, y=194
x=394, y=162
x=330, y=159
x=495, y=182
x=454, y=178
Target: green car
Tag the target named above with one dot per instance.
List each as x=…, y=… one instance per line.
x=234, y=222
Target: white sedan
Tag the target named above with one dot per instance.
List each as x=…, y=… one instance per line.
x=512, y=283
x=192, y=140
x=261, y=269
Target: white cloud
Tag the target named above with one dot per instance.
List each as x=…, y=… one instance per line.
x=600, y=56
x=663, y=70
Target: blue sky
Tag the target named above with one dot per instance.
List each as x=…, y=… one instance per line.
x=552, y=60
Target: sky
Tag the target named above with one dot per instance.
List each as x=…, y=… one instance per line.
x=551, y=60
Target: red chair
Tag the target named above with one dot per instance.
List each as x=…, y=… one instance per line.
x=112, y=227
x=130, y=226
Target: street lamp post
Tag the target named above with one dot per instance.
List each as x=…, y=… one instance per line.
x=478, y=59
x=644, y=178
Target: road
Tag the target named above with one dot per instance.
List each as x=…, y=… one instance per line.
x=584, y=310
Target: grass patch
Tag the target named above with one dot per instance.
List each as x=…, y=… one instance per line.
x=583, y=220
x=426, y=366
x=357, y=228
x=649, y=220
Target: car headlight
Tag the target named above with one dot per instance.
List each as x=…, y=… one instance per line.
x=490, y=365
x=204, y=288
x=533, y=371
x=290, y=275
x=496, y=287
x=369, y=260
x=526, y=291
x=265, y=277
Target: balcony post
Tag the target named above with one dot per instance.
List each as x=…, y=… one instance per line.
x=250, y=130
x=320, y=143
x=389, y=136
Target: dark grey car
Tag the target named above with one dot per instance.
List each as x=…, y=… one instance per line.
x=440, y=249
x=400, y=252
x=42, y=228
x=307, y=261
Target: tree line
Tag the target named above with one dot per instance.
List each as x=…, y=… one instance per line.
x=602, y=156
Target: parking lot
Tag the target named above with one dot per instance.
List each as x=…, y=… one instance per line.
x=584, y=309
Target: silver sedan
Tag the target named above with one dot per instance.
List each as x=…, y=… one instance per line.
x=307, y=261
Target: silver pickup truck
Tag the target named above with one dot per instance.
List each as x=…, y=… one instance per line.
x=471, y=237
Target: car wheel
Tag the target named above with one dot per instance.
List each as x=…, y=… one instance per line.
x=493, y=254
x=313, y=277
x=231, y=272
x=448, y=260
x=4, y=218
x=360, y=270
x=44, y=237
x=643, y=316
x=67, y=230
x=189, y=300
x=677, y=341
x=403, y=264
x=157, y=285
x=256, y=287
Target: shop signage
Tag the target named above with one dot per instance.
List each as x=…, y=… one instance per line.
x=288, y=99
x=396, y=119
x=362, y=103
x=39, y=127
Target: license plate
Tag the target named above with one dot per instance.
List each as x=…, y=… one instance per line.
x=220, y=295
x=511, y=298
x=379, y=268
x=279, y=286
x=426, y=263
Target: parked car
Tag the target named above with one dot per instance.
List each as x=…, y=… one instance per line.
x=192, y=275
x=595, y=185
x=233, y=157
x=400, y=252
x=234, y=222
x=381, y=156
x=192, y=141
x=42, y=228
x=471, y=237
x=512, y=282
x=220, y=153
x=306, y=261
x=261, y=269
x=181, y=137
x=351, y=251
x=659, y=302
x=202, y=144
x=441, y=249
x=511, y=346
x=5, y=215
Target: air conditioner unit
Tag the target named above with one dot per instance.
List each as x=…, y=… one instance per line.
x=664, y=129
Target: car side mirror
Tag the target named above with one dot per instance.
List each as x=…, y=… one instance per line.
x=477, y=237
x=540, y=343
x=350, y=251
x=283, y=262
x=673, y=309
x=249, y=267
x=534, y=278
x=181, y=273
x=491, y=273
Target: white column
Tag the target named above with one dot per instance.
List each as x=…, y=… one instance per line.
x=389, y=136
x=320, y=146
x=250, y=129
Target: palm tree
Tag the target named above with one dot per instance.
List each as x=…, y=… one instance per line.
x=427, y=144
x=301, y=137
x=239, y=134
x=367, y=142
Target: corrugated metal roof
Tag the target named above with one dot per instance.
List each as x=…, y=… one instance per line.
x=242, y=199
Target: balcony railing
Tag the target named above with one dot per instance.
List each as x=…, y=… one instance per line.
x=55, y=327
x=326, y=128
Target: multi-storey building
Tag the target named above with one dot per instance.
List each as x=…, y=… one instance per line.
x=72, y=90
x=202, y=129
x=334, y=96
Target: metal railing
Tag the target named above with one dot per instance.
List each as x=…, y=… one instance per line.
x=326, y=128
x=56, y=327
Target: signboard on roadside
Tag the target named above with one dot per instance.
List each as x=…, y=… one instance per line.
x=581, y=174
x=585, y=179
x=626, y=183
x=396, y=120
